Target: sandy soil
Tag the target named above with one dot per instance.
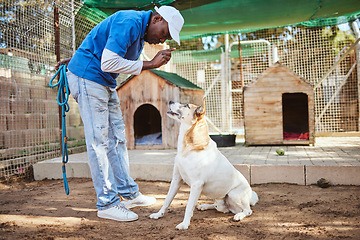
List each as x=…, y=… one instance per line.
x=41, y=210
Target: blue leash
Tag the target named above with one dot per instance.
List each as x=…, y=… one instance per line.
x=62, y=100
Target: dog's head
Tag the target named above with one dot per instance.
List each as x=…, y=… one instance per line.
x=196, y=137
x=186, y=113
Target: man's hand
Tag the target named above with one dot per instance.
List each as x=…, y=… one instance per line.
x=63, y=62
x=161, y=58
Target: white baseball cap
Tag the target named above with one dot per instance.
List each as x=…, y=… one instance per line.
x=174, y=19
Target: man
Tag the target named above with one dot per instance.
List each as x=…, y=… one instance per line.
x=114, y=47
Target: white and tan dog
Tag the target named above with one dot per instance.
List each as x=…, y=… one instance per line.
x=202, y=166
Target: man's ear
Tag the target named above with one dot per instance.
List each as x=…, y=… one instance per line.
x=200, y=110
x=157, y=18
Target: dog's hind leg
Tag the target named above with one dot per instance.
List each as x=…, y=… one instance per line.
x=204, y=207
x=174, y=187
x=195, y=191
x=238, y=201
x=219, y=205
x=241, y=215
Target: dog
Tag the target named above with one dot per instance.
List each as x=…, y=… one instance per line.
x=201, y=165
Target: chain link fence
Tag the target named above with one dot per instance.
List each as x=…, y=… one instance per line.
x=310, y=52
x=29, y=114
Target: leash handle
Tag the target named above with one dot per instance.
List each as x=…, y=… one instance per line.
x=62, y=100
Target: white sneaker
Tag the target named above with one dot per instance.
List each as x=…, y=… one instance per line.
x=118, y=213
x=140, y=201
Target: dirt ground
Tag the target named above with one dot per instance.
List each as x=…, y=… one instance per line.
x=41, y=210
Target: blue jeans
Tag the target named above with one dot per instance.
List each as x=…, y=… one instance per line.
x=104, y=127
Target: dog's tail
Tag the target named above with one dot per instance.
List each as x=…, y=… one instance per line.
x=254, y=198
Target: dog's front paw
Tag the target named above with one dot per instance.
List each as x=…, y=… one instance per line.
x=156, y=215
x=182, y=226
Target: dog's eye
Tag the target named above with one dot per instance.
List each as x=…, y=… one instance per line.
x=187, y=106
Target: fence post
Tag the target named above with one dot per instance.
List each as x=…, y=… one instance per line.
x=73, y=27
x=225, y=87
x=357, y=53
x=57, y=53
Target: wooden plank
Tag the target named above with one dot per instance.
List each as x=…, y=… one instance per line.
x=268, y=130
x=273, y=124
x=254, y=142
x=296, y=142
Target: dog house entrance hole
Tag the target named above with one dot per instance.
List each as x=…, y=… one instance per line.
x=147, y=125
x=295, y=116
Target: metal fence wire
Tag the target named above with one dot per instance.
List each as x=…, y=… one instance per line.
x=29, y=116
x=309, y=52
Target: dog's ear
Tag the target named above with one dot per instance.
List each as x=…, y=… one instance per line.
x=201, y=109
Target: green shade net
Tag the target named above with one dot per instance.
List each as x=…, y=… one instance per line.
x=229, y=16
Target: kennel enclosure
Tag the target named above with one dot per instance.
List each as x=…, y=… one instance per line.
x=28, y=52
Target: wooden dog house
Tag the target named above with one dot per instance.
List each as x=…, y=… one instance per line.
x=279, y=109
x=144, y=102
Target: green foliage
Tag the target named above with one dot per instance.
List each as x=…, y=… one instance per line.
x=337, y=37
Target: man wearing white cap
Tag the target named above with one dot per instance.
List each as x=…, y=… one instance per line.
x=113, y=47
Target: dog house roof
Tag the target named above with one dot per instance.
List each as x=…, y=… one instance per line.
x=284, y=68
x=170, y=77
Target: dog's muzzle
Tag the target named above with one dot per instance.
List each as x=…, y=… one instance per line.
x=172, y=113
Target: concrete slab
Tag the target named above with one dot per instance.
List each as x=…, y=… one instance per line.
x=277, y=174
x=336, y=159
x=245, y=170
x=151, y=172
x=337, y=175
x=77, y=167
